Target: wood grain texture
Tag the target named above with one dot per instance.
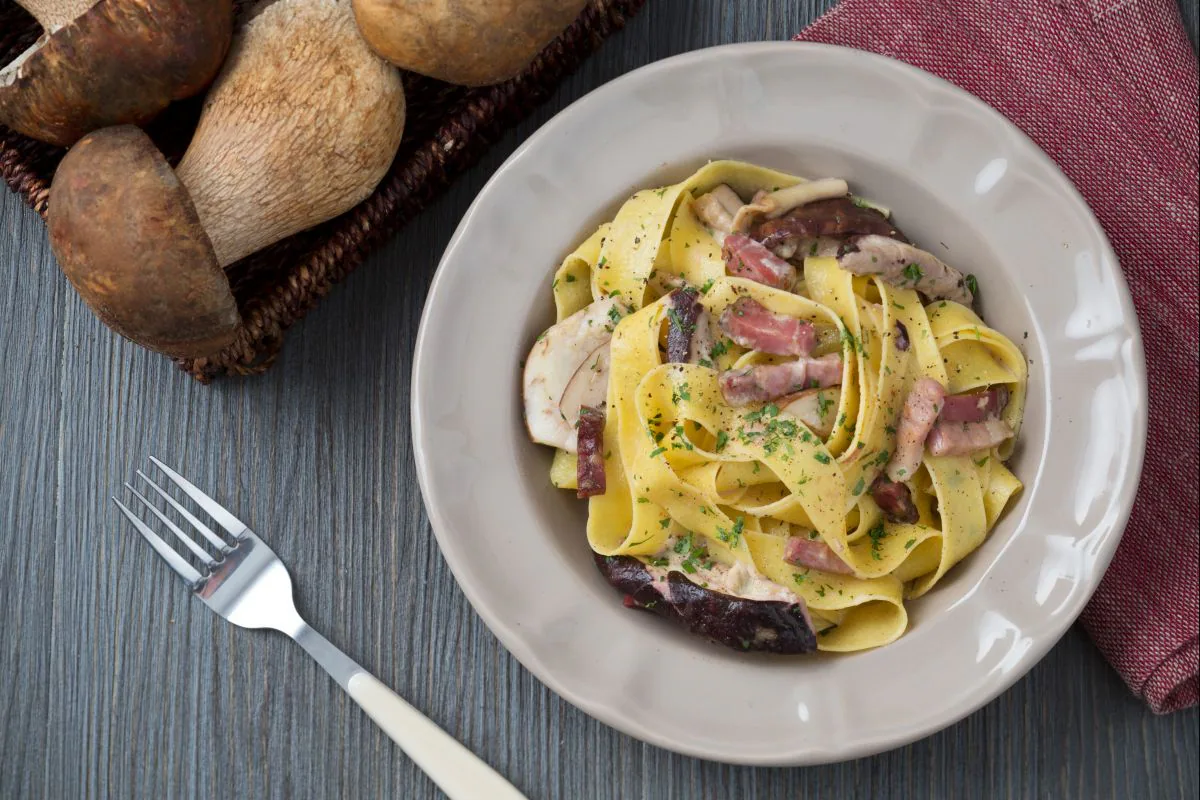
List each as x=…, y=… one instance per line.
x=118, y=685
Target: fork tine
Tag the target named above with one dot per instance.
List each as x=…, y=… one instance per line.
x=205, y=531
x=188, y=541
x=211, y=507
x=173, y=559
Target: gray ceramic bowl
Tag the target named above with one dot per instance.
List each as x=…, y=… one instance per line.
x=954, y=171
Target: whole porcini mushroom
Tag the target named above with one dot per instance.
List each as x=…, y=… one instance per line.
x=300, y=126
x=468, y=42
x=110, y=62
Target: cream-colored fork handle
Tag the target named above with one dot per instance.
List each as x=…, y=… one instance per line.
x=458, y=771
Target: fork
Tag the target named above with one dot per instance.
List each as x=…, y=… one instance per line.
x=247, y=584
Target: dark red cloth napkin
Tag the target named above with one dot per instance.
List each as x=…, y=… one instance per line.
x=1108, y=88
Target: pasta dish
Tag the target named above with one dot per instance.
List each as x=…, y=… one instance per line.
x=785, y=416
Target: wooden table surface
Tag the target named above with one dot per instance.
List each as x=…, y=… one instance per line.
x=119, y=685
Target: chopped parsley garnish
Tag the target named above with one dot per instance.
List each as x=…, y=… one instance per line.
x=877, y=535
x=860, y=486
x=722, y=440
x=734, y=535
x=973, y=285
x=643, y=500
x=908, y=545
x=913, y=273
x=881, y=459
x=614, y=314
x=719, y=349
x=570, y=278
x=708, y=284
x=981, y=461
x=657, y=451
x=823, y=404
x=858, y=201
x=683, y=442
x=776, y=431
x=848, y=338
x=691, y=552
x=657, y=562
x=822, y=457
x=798, y=578
x=768, y=411
x=664, y=523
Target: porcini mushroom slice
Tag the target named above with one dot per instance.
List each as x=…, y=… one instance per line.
x=111, y=62
x=716, y=209
x=838, y=217
x=134, y=248
x=588, y=387
x=771, y=205
x=286, y=143
x=554, y=360
x=469, y=42
x=816, y=408
x=901, y=264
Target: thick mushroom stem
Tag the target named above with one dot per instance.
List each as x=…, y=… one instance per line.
x=55, y=14
x=287, y=143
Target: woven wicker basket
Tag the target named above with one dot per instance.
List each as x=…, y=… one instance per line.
x=447, y=130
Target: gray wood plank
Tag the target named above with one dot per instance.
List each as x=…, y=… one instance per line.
x=31, y=418
x=120, y=686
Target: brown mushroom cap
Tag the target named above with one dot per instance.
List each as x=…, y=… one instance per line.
x=127, y=236
x=122, y=61
x=468, y=42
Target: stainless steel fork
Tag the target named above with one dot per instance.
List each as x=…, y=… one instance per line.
x=247, y=584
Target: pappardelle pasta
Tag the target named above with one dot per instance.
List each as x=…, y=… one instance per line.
x=786, y=418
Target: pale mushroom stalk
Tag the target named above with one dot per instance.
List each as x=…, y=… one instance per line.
x=55, y=14
x=257, y=176
x=282, y=144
